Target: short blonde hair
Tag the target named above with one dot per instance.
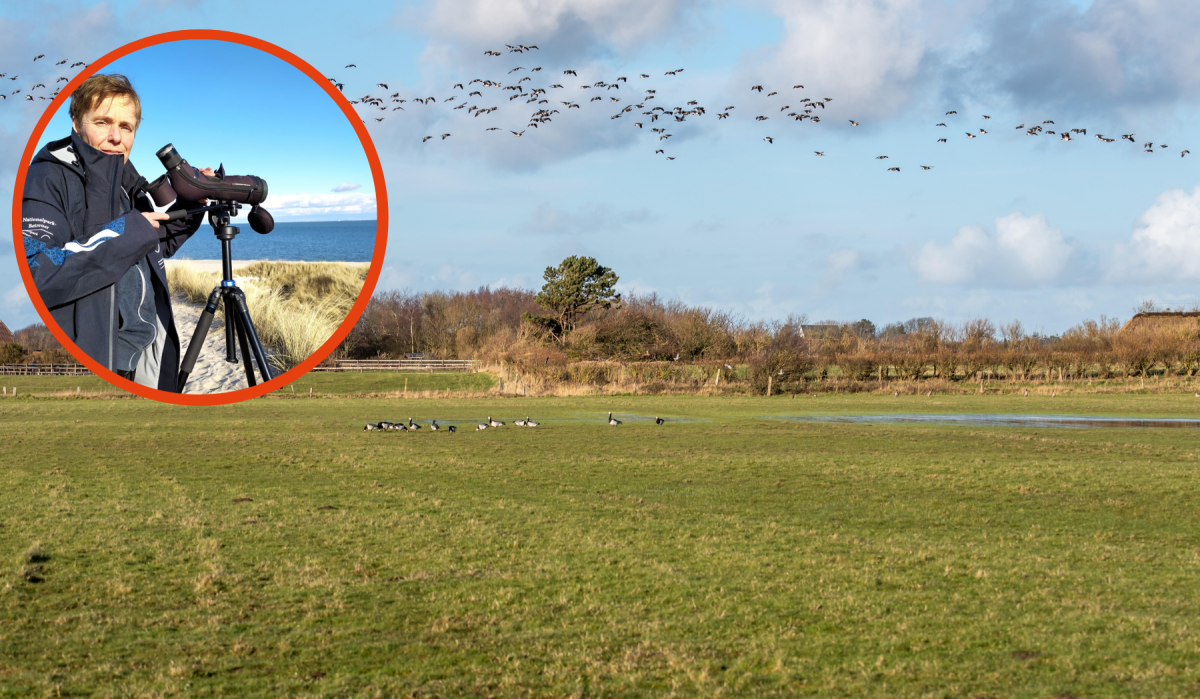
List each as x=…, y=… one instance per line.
x=100, y=87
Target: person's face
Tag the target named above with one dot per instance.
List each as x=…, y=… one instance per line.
x=110, y=126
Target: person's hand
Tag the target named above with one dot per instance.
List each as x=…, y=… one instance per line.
x=211, y=173
x=154, y=217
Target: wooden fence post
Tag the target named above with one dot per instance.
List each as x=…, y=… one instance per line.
x=769, y=385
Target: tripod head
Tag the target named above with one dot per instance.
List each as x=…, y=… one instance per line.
x=219, y=215
x=221, y=212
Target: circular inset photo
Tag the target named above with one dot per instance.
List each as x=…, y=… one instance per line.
x=202, y=217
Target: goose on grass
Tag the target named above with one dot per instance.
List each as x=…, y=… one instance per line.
x=612, y=420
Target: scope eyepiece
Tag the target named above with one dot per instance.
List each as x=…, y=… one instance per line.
x=169, y=157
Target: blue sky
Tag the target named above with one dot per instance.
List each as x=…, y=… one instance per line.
x=1004, y=225
x=281, y=127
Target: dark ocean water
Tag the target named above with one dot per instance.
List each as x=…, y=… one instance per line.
x=315, y=241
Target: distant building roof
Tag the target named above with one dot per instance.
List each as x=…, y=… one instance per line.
x=5, y=334
x=1189, y=320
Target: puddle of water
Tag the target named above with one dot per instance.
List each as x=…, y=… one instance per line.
x=1040, y=421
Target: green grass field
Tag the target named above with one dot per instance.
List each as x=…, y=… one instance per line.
x=351, y=383
x=273, y=548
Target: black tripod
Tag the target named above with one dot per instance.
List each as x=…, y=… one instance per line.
x=239, y=329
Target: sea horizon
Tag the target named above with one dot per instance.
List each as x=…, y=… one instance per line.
x=347, y=240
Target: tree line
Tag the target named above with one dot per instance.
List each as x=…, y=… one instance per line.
x=577, y=318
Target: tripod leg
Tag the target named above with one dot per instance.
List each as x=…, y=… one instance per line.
x=230, y=328
x=197, y=342
x=247, y=326
x=239, y=322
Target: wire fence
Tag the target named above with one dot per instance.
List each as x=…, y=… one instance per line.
x=44, y=370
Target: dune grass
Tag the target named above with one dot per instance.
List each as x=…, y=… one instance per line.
x=296, y=306
x=273, y=548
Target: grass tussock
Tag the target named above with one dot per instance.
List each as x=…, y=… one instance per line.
x=296, y=306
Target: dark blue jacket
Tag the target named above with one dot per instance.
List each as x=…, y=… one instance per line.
x=83, y=230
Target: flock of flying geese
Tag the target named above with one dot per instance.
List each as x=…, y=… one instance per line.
x=634, y=107
x=481, y=97
x=26, y=92
x=435, y=427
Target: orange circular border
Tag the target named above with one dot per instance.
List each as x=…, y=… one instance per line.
x=380, y=231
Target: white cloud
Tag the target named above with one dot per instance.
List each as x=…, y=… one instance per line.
x=456, y=277
x=554, y=25
x=590, y=218
x=516, y=281
x=346, y=187
x=844, y=263
x=1165, y=245
x=866, y=54
x=16, y=297
x=1025, y=251
x=1122, y=53
x=17, y=308
x=287, y=205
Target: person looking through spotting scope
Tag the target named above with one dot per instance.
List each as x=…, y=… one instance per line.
x=94, y=244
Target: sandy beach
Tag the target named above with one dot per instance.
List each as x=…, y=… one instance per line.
x=212, y=374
